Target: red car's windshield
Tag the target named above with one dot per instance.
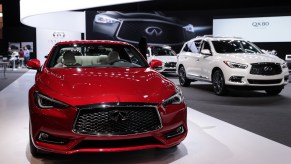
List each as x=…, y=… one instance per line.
x=95, y=55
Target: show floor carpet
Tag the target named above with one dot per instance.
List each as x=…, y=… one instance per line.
x=209, y=140
x=10, y=76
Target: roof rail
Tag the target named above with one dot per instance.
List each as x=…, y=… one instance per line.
x=212, y=36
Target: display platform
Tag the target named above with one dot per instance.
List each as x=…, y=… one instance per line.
x=209, y=140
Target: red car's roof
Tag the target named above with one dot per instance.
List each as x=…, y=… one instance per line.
x=93, y=42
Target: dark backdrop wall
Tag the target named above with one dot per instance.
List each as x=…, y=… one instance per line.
x=200, y=14
x=202, y=17
x=13, y=29
x=159, y=27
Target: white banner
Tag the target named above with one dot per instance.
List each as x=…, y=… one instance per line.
x=257, y=29
x=46, y=39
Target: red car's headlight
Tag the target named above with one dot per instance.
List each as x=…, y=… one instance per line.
x=46, y=102
x=177, y=98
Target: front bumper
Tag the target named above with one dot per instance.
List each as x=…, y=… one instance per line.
x=242, y=77
x=167, y=67
x=52, y=130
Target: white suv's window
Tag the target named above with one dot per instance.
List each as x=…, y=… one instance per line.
x=192, y=46
x=205, y=45
x=234, y=46
x=186, y=48
x=198, y=44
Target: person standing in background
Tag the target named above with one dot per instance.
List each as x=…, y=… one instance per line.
x=143, y=46
x=21, y=53
x=26, y=55
x=21, y=57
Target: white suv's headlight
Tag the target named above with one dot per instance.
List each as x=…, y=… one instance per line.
x=46, y=102
x=235, y=65
x=177, y=98
x=105, y=19
x=284, y=65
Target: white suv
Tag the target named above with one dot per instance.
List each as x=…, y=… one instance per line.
x=230, y=62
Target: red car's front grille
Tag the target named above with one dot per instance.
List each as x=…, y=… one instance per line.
x=117, y=120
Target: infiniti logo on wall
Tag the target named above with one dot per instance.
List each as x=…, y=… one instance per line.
x=260, y=24
x=59, y=35
x=154, y=31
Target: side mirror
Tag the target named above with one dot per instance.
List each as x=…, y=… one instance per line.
x=33, y=64
x=206, y=52
x=156, y=64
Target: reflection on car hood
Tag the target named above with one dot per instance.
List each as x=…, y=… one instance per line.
x=252, y=58
x=100, y=85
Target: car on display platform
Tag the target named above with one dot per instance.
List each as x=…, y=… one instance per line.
x=230, y=62
x=166, y=55
x=102, y=96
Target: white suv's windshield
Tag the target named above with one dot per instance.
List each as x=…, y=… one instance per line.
x=234, y=46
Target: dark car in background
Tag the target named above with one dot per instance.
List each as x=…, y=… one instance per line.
x=131, y=26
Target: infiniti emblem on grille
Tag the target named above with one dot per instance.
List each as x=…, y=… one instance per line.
x=268, y=68
x=153, y=31
x=117, y=115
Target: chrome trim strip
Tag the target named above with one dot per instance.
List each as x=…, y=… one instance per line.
x=192, y=76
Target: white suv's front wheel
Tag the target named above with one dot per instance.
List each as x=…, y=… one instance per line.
x=218, y=83
x=182, y=77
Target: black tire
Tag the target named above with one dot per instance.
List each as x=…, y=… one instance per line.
x=274, y=91
x=182, y=77
x=35, y=152
x=218, y=83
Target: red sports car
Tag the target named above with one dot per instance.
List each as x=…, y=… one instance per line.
x=102, y=96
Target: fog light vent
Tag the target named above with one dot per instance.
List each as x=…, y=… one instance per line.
x=45, y=137
x=179, y=130
x=236, y=79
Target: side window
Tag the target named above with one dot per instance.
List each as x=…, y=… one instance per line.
x=192, y=47
x=205, y=45
x=198, y=44
x=186, y=48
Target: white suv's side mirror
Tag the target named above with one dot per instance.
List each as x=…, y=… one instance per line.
x=206, y=52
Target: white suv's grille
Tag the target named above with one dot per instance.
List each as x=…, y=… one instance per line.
x=267, y=69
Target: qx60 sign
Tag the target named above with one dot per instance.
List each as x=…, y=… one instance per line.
x=260, y=24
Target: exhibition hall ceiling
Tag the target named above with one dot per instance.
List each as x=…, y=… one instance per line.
x=200, y=4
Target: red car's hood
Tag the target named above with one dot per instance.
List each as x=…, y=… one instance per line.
x=100, y=85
